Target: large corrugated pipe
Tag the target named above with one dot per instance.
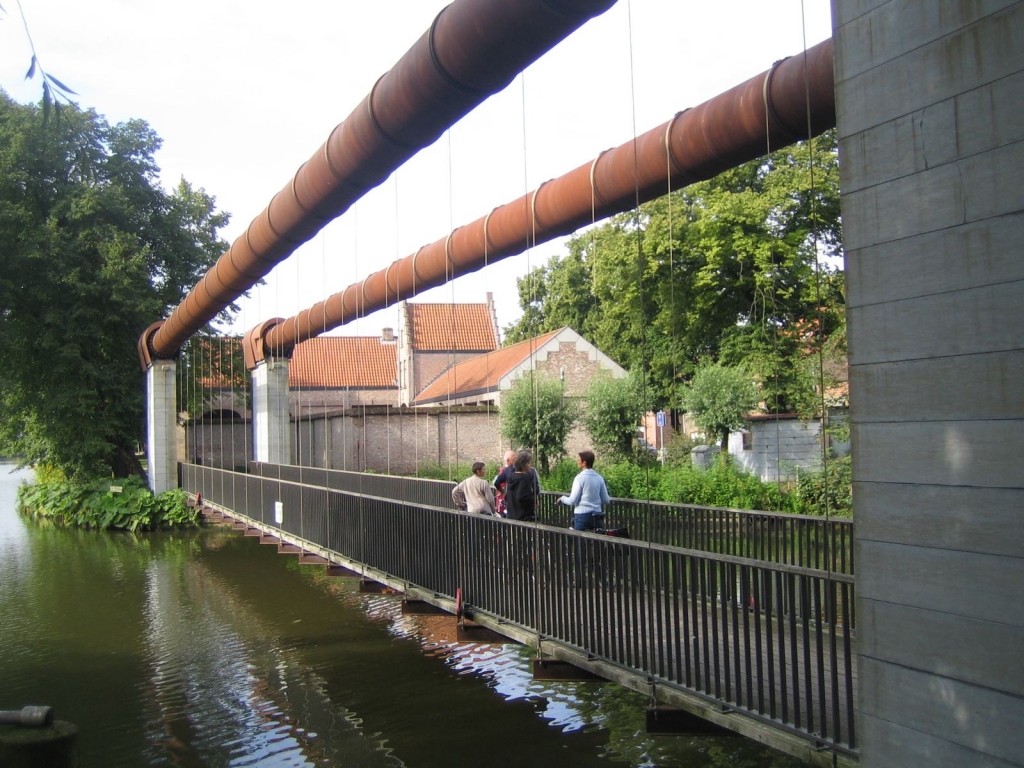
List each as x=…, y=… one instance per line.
x=771, y=110
x=474, y=49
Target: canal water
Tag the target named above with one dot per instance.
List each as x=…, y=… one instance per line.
x=207, y=649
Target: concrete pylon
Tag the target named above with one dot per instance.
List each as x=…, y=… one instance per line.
x=161, y=415
x=930, y=136
x=270, y=412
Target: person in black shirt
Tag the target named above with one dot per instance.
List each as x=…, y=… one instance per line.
x=522, y=489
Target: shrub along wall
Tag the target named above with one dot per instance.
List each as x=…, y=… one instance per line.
x=719, y=486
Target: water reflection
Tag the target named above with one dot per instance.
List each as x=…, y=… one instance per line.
x=207, y=649
x=14, y=554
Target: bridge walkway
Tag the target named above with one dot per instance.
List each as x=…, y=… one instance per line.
x=764, y=648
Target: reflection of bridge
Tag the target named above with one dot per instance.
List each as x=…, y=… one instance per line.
x=763, y=644
x=927, y=97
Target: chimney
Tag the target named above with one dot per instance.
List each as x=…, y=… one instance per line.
x=388, y=335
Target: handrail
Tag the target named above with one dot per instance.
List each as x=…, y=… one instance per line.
x=790, y=539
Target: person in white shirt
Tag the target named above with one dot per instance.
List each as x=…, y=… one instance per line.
x=474, y=494
x=589, y=495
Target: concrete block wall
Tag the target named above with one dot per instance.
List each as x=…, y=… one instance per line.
x=779, y=450
x=398, y=440
x=306, y=402
x=929, y=103
x=225, y=446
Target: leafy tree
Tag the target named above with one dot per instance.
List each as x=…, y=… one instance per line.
x=719, y=396
x=613, y=410
x=93, y=250
x=731, y=269
x=535, y=413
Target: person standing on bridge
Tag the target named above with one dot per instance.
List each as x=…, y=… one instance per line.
x=474, y=494
x=589, y=495
x=501, y=480
x=522, y=489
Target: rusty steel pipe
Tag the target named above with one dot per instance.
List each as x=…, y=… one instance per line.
x=473, y=49
x=768, y=111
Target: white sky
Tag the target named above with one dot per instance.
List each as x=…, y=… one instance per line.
x=242, y=92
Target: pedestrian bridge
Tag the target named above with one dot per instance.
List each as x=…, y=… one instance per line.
x=743, y=618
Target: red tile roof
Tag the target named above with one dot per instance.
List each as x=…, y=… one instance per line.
x=451, y=327
x=344, y=361
x=481, y=374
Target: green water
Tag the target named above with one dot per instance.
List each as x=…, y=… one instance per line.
x=208, y=649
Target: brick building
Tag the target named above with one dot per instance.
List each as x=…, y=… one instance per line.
x=434, y=337
x=430, y=393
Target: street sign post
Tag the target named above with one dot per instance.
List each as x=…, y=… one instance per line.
x=661, y=435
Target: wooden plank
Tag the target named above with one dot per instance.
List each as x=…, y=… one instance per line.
x=674, y=721
x=556, y=669
x=369, y=587
x=421, y=608
x=341, y=571
x=469, y=632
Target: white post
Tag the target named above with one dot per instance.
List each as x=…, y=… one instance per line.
x=271, y=416
x=161, y=417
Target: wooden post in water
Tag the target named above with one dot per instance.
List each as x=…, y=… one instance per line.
x=31, y=737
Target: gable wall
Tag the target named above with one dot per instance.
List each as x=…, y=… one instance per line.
x=429, y=365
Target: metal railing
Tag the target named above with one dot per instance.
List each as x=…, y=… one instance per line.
x=771, y=641
x=777, y=537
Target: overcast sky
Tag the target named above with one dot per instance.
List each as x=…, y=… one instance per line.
x=242, y=92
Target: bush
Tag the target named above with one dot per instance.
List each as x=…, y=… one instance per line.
x=625, y=480
x=721, y=486
x=678, y=447
x=561, y=476
x=456, y=472
x=833, y=484
x=94, y=505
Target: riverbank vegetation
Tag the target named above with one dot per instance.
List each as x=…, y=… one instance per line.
x=121, y=504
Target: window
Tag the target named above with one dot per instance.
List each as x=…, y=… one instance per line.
x=748, y=440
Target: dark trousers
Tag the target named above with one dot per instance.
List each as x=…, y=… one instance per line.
x=587, y=521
